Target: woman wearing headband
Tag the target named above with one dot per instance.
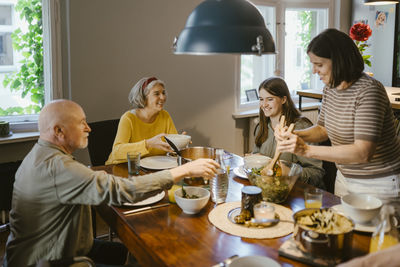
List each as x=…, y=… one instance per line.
x=142, y=128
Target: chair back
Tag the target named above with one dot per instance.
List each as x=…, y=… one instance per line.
x=101, y=140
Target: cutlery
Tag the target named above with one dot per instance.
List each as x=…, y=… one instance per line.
x=270, y=221
x=176, y=150
x=226, y=262
x=145, y=208
x=268, y=170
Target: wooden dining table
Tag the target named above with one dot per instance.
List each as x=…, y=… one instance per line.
x=168, y=237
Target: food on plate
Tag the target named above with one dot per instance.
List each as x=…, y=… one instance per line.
x=186, y=195
x=325, y=222
x=244, y=216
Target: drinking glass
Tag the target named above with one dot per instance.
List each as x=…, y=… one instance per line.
x=133, y=163
x=220, y=182
x=313, y=198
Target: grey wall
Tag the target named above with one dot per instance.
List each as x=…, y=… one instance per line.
x=110, y=44
x=115, y=43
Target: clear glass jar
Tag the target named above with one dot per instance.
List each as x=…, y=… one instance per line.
x=219, y=183
x=386, y=234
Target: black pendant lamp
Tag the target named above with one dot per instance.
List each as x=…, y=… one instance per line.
x=224, y=26
x=379, y=2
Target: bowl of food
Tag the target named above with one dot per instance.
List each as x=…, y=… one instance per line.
x=323, y=233
x=275, y=187
x=256, y=161
x=360, y=207
x=181, y=141
x=192, y=199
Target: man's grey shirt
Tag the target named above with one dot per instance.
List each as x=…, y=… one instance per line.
x=50, y=216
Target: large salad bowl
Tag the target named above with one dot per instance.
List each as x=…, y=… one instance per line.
x=277, y=187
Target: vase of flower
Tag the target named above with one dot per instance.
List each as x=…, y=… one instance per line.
x=360, y=33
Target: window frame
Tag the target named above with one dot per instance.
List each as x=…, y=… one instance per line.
x=52, y=65
x=9, y=29
x=280, y=7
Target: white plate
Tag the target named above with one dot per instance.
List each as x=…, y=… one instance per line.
x=147, y=201
x=239, y=171
x=254, y=261
x=158, y=162
x=369, y=228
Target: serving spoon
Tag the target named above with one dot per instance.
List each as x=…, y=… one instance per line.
x=269, y=169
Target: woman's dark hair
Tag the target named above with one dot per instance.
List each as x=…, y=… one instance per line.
x=347, y=62
x=276, y=86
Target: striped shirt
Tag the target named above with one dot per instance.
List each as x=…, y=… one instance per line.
x=362, y=112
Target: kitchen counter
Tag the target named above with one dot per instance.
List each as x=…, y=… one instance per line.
x=393, y=94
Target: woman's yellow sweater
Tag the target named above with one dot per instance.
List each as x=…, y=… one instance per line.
x=132, y=133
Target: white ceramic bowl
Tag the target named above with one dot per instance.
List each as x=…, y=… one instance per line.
x=255, y=161
x=361, y=208
x=192, y=205
x=180, y=140
x=254, y=261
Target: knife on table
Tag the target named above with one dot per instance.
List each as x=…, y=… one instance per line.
x=145, y=208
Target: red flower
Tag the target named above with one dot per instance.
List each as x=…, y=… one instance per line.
x=360, y=32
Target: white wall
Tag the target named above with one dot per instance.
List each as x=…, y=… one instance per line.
x=381, y=41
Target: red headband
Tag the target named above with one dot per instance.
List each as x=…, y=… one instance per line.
x=147, y=82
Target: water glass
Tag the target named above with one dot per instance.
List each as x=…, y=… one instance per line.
x=313, y=198
x=133, y=163
x=219, y=186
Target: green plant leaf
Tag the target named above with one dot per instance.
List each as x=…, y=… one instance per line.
x=29, y=78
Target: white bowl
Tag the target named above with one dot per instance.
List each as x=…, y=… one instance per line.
x=255, y=161
x=254, y=261
x=180, y=140
x=192, y=205
x=360, y=207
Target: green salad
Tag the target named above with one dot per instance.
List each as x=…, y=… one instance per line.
x=274, y=188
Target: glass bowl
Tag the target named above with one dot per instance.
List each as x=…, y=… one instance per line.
x=274, y=188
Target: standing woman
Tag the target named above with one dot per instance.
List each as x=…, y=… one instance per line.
x=275, y=101
x=357, y=117
x=141, y=128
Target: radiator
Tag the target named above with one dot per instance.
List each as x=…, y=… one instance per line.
x=312, y=115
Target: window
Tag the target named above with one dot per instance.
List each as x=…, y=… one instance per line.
x=254, y=69
x=15, y=106
x=297, y=64
x=292, y=27
x=11, y=101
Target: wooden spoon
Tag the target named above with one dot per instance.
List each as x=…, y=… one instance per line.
x=269, y=169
